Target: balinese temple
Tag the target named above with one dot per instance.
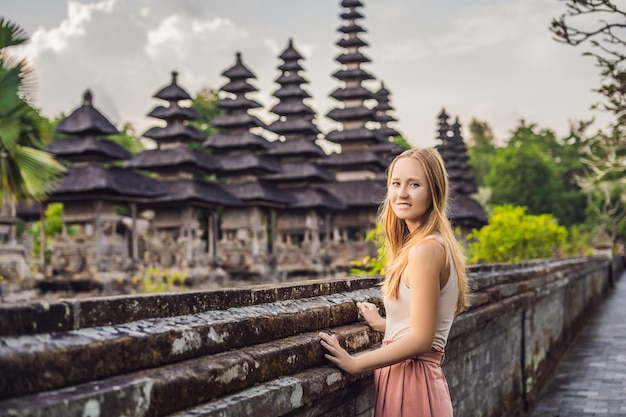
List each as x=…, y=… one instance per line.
x=92, y=191
x=359, y=168
x=247, y=232
x=302, y=244
x=390, y=149
x=183, y=228
x=236, y=204
x=466, y=212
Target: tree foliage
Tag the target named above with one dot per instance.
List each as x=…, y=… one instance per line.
x=512, y=235
x=128, y=139
x=607, y=208
x=205, y=105
x=602, y=158
x=524, y=176
x=401, y=141
x=536, y=170
x=369, y=265
x=53, y=226
x=26, y=172
x=599, y=24
x=481, y=149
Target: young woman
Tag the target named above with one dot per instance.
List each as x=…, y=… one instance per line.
x=424, y=288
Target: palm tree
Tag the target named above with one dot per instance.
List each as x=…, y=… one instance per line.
x=27, y=173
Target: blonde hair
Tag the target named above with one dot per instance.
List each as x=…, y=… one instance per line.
x=399, y=239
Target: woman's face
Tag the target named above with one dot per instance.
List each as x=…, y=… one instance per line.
x=409, y=192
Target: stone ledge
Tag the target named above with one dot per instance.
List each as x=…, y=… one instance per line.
x=280, y=396
x=504, y=342
x=122, y=397
x=44, y=317
x=179, y=386
x=96, y=353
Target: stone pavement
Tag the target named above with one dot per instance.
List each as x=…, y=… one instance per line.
x=591, y=378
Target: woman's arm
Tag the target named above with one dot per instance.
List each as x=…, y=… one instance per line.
x=426, y=263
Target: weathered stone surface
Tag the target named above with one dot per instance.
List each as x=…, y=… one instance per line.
x=256, y=351
x=106, y=311
x=125, y=397
x=93, y=353
x=277, y=397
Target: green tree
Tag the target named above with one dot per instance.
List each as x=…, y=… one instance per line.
x=205, y=105
x=53, y=226
x=128, y=139
x=524, y=176
x=607, y=208
x=26, y=172
x=602, y=158
x=538, y=171
x=369, y=265
x=514, y=236
x=481, y=150
x=401, y=141
x=600, y=25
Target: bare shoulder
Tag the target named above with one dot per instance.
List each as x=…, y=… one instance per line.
x=426, y=263
x=427, y=249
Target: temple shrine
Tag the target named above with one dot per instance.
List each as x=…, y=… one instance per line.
x=236, y=204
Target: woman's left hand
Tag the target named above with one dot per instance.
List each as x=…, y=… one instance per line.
x=338, y=355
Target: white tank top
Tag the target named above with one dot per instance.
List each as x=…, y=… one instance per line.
x=398, y=323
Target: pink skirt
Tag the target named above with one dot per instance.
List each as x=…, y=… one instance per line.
x=415, y=387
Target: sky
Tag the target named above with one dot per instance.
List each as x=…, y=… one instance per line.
x=494, y=60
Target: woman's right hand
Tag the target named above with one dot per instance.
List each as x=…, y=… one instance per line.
x=369, y=311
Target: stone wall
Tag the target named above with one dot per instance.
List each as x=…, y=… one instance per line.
x=255, y=351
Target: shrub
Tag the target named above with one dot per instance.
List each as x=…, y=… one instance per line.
x=369, y=265
x=155, y=279
x=514, y=236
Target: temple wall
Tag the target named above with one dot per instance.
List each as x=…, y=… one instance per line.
x=255, y=350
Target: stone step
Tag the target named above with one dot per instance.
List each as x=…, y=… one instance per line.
x=181, y=386
x=95, y=353
x=324, y=389
x=65, y=315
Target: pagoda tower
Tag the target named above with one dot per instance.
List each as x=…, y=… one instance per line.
x=389, y=150
x=246, y=245
x=382, y=110
x=466, y=212
x=296, y=149
x=356, y=161
x=295, y=117
x=302, y=243
x=91, y=193
x=360, y=167
x=183, y=230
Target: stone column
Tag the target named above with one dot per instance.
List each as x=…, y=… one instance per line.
x=12, y=228
x=98, y=233
x=211, y=234
x=134, y=237
x=42, y=239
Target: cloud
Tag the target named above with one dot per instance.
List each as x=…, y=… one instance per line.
x=125, y=53
x=482, y=25
x=74, y=26
x=486, y=58
x=182, y=37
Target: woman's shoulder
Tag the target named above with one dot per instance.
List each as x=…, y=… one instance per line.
x=428, y=247
x=435, y=236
